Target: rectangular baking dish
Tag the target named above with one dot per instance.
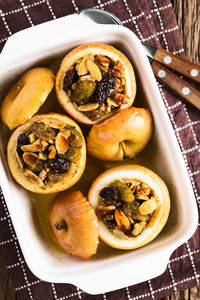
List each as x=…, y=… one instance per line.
x=109, y=270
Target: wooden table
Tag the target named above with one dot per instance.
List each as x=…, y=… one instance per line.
x=188, y=17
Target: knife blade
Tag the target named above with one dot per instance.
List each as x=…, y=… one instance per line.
x=174, y=62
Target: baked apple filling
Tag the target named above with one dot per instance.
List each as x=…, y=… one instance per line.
x=96, y=86
x=126, y=207
x=46, y=152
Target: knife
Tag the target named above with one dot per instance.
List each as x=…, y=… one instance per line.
x=161, y=61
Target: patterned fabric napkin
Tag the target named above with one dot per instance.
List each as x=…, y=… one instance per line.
x=153, y=21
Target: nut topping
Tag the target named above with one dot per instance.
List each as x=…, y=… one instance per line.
x=32, y=138
x=121, y=99
x=120, y=234
x=148, y=207
x=102, y=62
x=33, y=177
x=94, y=70
x=138, y=228
x=82, y=68
x=52, y=153
x=88, y=107
x=35, y=147
x=122, y=220
x=61, y=143
x=30, y=158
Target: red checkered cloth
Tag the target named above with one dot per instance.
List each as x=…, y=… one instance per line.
x=154, y=22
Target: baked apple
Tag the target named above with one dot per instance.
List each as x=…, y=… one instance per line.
x=47, y=154
x=132, y=205
x=26, y=96
x=94, y=81
x=121, y=136
x=74, y=224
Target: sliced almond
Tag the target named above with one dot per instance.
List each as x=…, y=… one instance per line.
x=44, y=143
x=52, y=153
x=35, y=147
x=94, y=70
x=87, y=77
x=54, y=123
x=122, y=220
x=148, y=207
x=32, y=138
x=19, y=161
x=61, y=143
x=30, y=158
x=43, y=174
x=51, y=141
x=65, y=132
x=82, y=68
x=42, y=156
x=102, y=62
x=120, y=234
x=88, y=107
x=33, y=177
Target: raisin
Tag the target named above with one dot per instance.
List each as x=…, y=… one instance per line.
x=21, y=141
x=109, y=193
x=70, y=77
x=42, y=130
x=83, y=91
x=104, y=89
x=58, y=165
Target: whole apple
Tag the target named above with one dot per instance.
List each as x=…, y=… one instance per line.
x=121, y=136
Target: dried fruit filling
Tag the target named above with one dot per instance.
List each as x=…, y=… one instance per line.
x=96, y=85
x=46, y=153
x=126, y=207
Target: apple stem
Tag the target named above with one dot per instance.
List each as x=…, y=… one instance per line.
x=59, y=227
x=125, y=156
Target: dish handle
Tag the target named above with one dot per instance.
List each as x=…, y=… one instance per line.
x=39, y=38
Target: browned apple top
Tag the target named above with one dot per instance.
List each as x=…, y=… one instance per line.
x=96, y=85
x=46, y=150
x=126, y=207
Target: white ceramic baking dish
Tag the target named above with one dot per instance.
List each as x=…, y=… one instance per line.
x=111, y=269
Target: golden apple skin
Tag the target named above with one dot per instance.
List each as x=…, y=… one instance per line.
x=26, y=96
x=80, y=236
x=121, y=136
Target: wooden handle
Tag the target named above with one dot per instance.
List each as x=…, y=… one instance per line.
x=176, y=84
x=178, y=64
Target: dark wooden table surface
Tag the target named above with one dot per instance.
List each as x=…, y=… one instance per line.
x=188, y=17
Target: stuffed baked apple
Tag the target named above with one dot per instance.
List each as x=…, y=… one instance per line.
x=94, y=81
x=132, y=205
x=121, y=136
x=74, y=224
x=47, y=154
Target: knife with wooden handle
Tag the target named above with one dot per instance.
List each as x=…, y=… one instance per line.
x=176, y=84
x=174, y=62
x=162, y=60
